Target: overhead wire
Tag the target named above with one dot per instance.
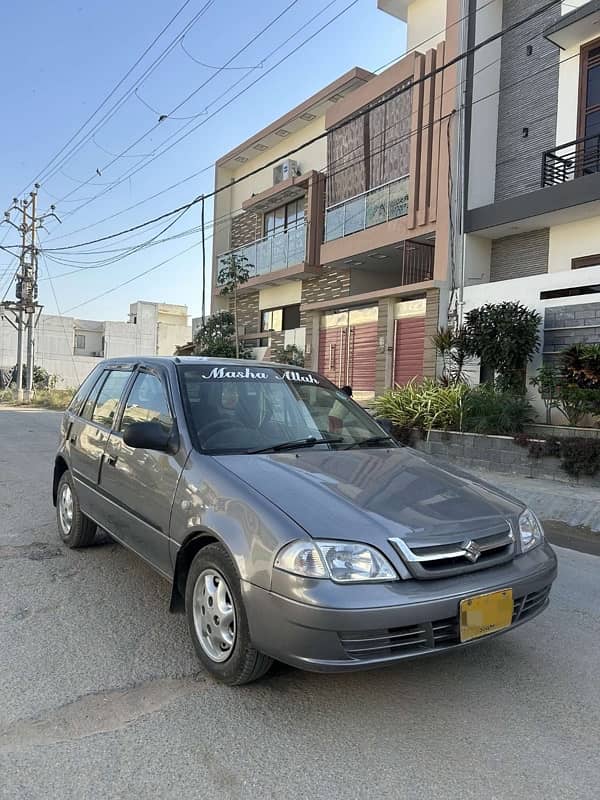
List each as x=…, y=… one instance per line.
x=210, y=166
x=433, y=122
x=462, y=55
x=408, y=87
x=134, y=170
x=140, y=80
x=210, y=78
x=111, y=93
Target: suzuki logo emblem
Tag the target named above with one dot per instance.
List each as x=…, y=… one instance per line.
x=472, y=550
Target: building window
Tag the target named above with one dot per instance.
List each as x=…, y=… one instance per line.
x=271, y=320
x=585, y=261
x=79, y=342
x=284, y=217
x=291, y=317
x=280, y=319
x=589, y=104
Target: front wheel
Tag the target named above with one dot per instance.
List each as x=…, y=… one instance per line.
x=217, y=619
x=75, y=529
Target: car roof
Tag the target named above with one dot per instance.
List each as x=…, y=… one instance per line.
x=199, y=360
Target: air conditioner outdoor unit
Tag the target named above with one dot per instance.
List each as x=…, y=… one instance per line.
x=287, y=169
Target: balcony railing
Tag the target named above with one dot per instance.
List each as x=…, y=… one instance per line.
x=271, y=253
x=373, y=207
x=572, y=160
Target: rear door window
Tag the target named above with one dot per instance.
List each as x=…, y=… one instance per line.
x=109, y=397
x=77, y=403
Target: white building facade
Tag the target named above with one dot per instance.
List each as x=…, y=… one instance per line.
x=532, y=168
x=68, y=348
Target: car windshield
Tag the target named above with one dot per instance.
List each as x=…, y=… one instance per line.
x=244, y=409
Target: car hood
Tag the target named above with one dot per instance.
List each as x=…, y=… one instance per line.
x=372, y=495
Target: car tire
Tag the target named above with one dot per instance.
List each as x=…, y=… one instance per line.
x=217, y=619
x=75, y=529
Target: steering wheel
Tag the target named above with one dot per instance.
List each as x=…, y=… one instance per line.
x=210, y=430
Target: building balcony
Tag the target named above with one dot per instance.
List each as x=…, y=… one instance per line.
x=571, y=161
x=280, y=256
x=373, y=207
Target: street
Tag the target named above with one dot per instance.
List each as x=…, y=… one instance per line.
x=101, y=694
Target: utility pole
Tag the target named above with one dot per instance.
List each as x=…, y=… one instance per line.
x=25, y=310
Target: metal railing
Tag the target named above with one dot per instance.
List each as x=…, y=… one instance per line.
x=372, y=207
x=571, y=160
x=273, y=252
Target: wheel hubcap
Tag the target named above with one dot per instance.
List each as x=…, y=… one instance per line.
x=65, y=509
x=214, y=615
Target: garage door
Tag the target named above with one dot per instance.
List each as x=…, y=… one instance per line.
x=348, y=348
x=409, y=341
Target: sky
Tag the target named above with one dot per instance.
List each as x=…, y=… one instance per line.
x=60, y=60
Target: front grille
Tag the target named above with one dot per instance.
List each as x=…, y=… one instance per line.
x=427, y=636
x=458, y=556
x=405, y=641
x=530, y=604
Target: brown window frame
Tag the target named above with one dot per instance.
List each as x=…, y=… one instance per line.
x=585, y=261
x=583, y=71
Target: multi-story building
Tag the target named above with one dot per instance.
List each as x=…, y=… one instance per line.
x=347, y=238
x=69, y=348
x=532, y=164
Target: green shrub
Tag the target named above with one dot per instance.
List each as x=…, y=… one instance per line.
x=57, y=399
x=580, y=456
x=486, y=410
x=423, y=405
x=290, y=354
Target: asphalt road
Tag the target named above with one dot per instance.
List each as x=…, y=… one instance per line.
x=101, y=695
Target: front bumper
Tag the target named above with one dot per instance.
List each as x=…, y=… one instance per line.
x=418, y=618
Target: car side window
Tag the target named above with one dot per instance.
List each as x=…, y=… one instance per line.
x=78, y=401
x=147, y=402
x=109, y=397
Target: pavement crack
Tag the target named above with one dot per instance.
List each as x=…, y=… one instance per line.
x=95, y=713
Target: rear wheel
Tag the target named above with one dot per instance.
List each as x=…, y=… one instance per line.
x=217, y=619
x=75, y=529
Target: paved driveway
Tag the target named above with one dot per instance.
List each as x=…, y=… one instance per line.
x=101, y=695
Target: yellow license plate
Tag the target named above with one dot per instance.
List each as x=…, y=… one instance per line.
x=485, y=613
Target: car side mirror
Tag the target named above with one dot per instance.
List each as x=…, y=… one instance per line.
x=150, y=436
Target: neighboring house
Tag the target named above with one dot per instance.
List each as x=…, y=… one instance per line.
x=347, y=240
x=69, y=348
x=532, y=146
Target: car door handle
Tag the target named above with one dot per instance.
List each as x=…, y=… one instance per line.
x=112, y=460
x=73, y=439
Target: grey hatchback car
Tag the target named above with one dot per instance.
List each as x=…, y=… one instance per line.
x=290, y=525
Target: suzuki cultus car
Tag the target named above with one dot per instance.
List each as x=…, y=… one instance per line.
x=288, y=522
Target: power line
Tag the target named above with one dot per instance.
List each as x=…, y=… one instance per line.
x=405, y=88
x=144, y=76
x=111, y=93
x=131, y=280
x=166, y=116
x=210, y=166
x=128, y=174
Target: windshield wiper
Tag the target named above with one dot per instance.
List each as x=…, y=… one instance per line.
x=309, y=441
x=369, y=441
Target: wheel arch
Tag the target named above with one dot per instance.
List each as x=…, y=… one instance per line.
x=192, y=545
x=60, y=467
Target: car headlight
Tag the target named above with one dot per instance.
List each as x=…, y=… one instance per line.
x=531, y=532
x=343, y=562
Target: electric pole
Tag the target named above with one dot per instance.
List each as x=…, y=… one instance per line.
x=25, y=310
